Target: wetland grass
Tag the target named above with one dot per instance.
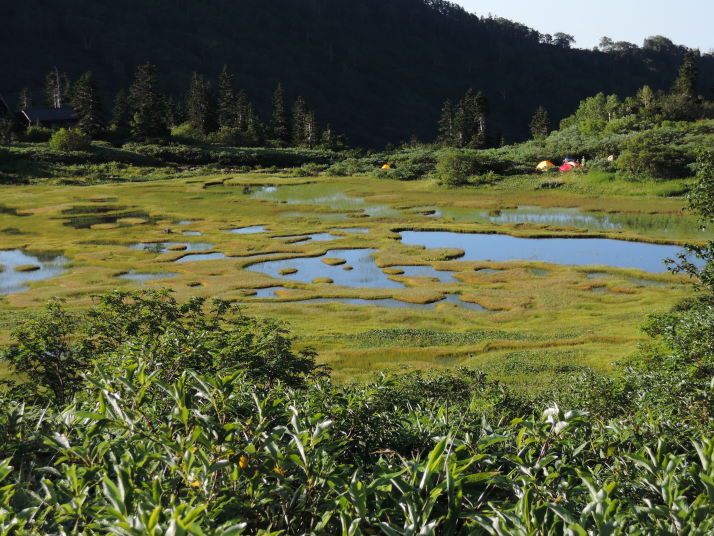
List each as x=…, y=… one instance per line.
x=537, y=300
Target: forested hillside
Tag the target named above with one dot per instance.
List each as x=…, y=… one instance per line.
x=377, y=71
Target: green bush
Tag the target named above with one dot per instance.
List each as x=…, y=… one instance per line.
x=37, y=134
x=307, y=170
x=347, y=168
x=186, y=134
x=655, y=154
x=454, y=168
x=69, y=140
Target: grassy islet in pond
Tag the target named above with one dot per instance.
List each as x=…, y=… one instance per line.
x=216, y=256
x=365, y=274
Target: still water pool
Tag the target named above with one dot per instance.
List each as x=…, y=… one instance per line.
x=45, y=266
x=568, y=251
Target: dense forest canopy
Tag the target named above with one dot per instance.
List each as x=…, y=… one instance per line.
x=377, y=71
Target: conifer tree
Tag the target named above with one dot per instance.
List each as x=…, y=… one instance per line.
x=254, y=128
x=540, y=124
x=175, y=111
x=57, y=88
x=298, y=123
x=147, y=105
x=279, y=124
x=24, y=101
x=242, y=107
x=646, y=96
x=463, y=124
x=227, y=99
x=447, y=134
x=311, y=130
x=481, y=111
x=120, y=111
x=87, y=104
x=328, y=138
x=686, y=83
x=200, y=105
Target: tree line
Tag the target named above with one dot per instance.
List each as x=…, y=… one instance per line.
x=224, y=114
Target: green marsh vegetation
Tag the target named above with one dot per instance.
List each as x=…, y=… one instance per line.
x=158, y=409
x=146, y=415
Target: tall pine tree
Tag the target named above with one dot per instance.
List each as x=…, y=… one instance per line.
x=227, y=100
x=254, y=128
x=312, y=133
x=147, y=104
x=279, y=123
x=57, y=88
x=298, y=122
x=686, y=83
x=86, y=102
x=242, y=107
x=200, y=105
x=120, y=111
x=24, y=101
x=540, y=123
x=447, y=130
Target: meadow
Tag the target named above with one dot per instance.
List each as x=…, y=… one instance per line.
x=532, y=323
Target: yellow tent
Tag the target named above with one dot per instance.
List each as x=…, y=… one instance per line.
x=545, y=165
x=386, y=166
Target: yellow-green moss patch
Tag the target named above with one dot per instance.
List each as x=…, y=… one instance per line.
x=333, y=261
x=287, y=271
x=322, y=280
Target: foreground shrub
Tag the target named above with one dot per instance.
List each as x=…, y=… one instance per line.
x=55, y=349
x=213, y=454
x=455, y=167
x=69, y=140
x=37, y=134
x=654, y=154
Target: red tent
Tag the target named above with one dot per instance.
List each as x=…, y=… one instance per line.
x=568, y=166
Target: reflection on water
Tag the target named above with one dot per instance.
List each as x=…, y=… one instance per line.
x=330, y=195
x=87, y=217
x=570, y=251
x=12, y=281
x=665, y=225
x=317, y=237
x=253, y=229
x=351, y=230
x=163, y=247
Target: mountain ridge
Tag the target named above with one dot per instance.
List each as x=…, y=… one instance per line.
x=377, y=71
